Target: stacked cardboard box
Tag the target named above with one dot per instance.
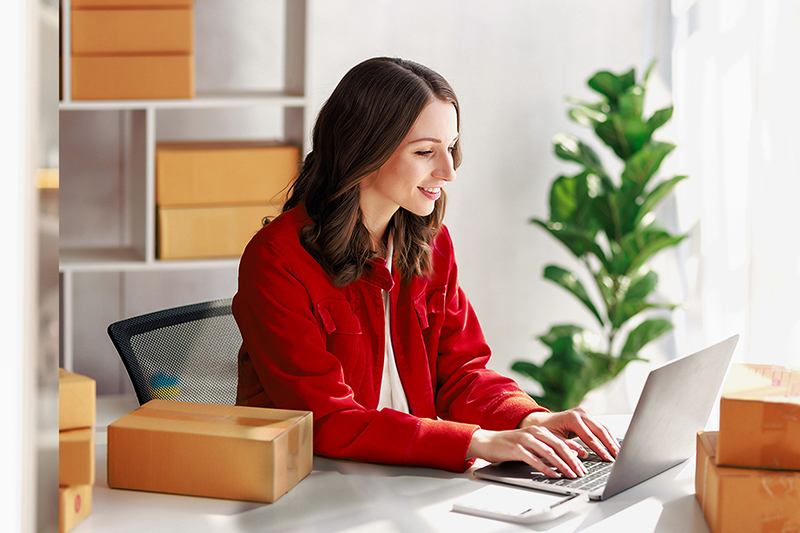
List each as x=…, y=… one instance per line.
x=76, y=417
x=213, y=196
x=132, y=49
x=218, y=451
x=748, y=474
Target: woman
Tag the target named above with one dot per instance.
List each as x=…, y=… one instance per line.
x=349, y=304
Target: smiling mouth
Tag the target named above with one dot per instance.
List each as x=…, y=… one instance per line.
x=431, y=190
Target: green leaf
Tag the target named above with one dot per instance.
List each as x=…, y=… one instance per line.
x=644, y=163
x=642, y=334
x=655, y=196
x=528, y=369
x=570, y=148
x=623, y=134
x=570, y=281
x=631, y=301
x=570, y=200
x=641, y=286
x=659, y=118
x=636, y=247
x=610, y=85
x=586, y=116
x=642, y=244
x=606, y=212
x=649, y=71
x=578, y=241
x=571, y=371
x=601, y=107
x=631, y=102
x=631, y=309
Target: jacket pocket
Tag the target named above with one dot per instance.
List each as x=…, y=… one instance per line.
x=343, y=338
x=428, y=304
x=337, y=317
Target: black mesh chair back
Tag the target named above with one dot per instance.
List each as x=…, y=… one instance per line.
x=186, y=353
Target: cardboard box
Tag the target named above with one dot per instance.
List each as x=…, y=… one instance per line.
x=76, y=400
x=220, y=451
x=105, y=4
x=132, y=31
x=132, y=77
x=223, y=173
x=744, y=500
x=74, y=504
x=760, y=418
x=76, y=457
x=209, y=232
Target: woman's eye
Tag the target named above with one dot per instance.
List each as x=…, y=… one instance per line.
x=424, y=152
x=451, y=149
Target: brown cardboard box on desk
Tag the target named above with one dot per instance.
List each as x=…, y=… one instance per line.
x=76, y=418
x=760, y=418
x=132, y=49
x=744, y=500
x=220, y=451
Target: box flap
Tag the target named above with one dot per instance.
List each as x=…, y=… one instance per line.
x=767, y=383
x=208, y=419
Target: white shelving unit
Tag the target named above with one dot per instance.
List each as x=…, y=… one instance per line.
x=108, y=266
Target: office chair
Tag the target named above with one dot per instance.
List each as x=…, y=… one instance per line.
x=185, y=353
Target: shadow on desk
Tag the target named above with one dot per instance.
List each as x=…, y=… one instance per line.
x=649, y=504
x=342, y=495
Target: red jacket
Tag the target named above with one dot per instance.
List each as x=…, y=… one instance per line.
x=310, y=345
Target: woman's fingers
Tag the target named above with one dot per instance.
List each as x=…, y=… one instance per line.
x=536, y=446
x=538, y=464
x=580, y=450
x=606, y=438
x=556, y=452
x=600, y=442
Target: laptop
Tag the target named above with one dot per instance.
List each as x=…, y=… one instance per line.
x=675, y=404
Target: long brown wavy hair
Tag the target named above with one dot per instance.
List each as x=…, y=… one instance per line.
x=365, y=119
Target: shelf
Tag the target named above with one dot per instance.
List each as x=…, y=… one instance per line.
x=201, y=101
x=128, y=260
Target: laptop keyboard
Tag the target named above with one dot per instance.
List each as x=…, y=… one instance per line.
x=596, y=477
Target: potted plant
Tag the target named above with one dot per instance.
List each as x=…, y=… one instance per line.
x=609, y=225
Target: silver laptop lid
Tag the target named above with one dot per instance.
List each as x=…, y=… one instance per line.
x=675, y=404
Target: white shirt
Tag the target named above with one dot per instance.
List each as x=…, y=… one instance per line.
x=392, y=393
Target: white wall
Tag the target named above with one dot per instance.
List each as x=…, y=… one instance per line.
x=18, y=282
x=511, y=64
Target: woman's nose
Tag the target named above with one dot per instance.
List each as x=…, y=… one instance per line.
x=444, y=168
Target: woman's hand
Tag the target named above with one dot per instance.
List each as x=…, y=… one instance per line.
x=532, y=445
x=575, y=422
x=546, y=437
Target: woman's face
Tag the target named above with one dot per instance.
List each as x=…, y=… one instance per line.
x=413, y=176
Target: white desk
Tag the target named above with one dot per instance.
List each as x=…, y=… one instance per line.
x=347, y=496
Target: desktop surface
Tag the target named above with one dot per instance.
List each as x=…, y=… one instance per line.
x=348, y=496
